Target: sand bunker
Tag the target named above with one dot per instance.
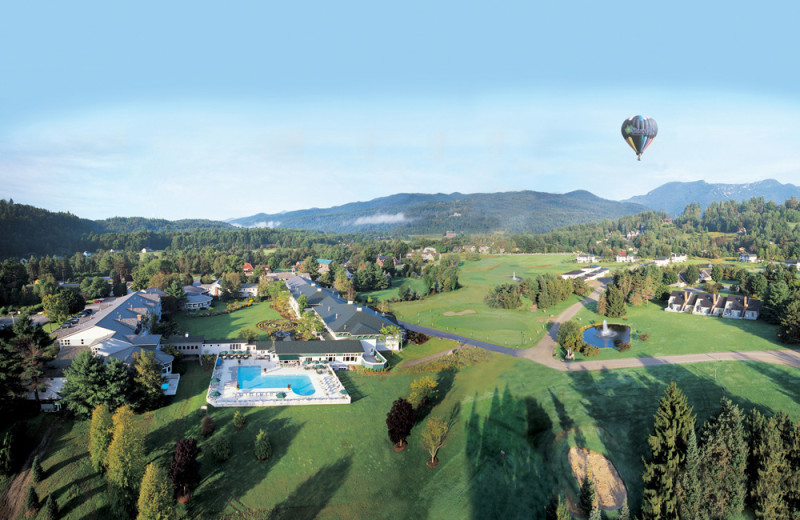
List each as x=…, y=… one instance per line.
x=609, y=487
x=462, y=313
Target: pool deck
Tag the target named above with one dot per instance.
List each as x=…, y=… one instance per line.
x=327, y=387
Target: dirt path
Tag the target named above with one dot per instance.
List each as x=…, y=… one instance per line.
x=542, y=353
x=14, y=496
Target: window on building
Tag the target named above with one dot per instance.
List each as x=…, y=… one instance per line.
x=330, y=357
x=81, y=342
x=65, y=342
x=350, y=357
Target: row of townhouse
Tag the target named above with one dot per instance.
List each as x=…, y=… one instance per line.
x=705, y=304
x=344, y=319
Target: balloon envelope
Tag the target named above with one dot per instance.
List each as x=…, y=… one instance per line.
x=639, y=132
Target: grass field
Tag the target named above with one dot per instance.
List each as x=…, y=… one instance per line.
x=336, y=462
x=672, y=333
x=226, y=326
x=518, y=328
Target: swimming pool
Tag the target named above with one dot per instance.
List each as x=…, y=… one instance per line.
x=251, y=377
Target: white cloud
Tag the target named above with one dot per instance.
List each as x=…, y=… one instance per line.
x=381, y=218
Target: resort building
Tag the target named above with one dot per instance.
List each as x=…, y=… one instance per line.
x=338, y=354
x=343, y=319
x=591, y=272
x=624, y=257
x=749, y=258
x=794, y=264
x=587, y=259
x=196, y=301
x=705, y=304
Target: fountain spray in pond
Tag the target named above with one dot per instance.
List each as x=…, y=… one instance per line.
x=606, y=332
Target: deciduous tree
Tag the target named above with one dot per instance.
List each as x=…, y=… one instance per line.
x=155, y=498
x=400, y=420
x=100, y=434
x=184, y=471
x=434, y=437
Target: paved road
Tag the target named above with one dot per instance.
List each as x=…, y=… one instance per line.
x=542, y=353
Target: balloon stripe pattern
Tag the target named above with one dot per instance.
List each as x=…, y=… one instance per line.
x=639, y=132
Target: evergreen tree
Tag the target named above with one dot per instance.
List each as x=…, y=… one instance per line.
x=84, y=378
x=775, y=301
x=789, y=330
x=615, y=307
x=126, y=458
x=100, y=435
x=148, y=381
x=625, y=512
x=37, y=473
x=184, y=471
x=50, y=511
x=588, y=495
x=155, y=498
x=768, y=490
x=723, y=455
x=595, y=514
x=688, y=490
x=562, y=511
x=262, y=448
x=673, y=425
x=31, y=500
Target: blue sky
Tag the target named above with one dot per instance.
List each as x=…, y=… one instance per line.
x=193, y=109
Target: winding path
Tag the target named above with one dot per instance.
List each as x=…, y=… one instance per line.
x=542, y=353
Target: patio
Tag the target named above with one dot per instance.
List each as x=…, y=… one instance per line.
x=224, y=390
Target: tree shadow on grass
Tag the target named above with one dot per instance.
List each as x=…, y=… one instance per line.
x=622, y=404
x=508, y=479
x=444, y=380
x=226, y=481
x=77, y=498
x=63, y=463
x=352, y=388
x=785, y=381
x=311, y=497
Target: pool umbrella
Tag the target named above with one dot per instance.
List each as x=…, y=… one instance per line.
x=215, y=394
x=343, y=391
x=215, y=380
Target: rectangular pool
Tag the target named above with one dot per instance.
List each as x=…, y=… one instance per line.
x=252, y=377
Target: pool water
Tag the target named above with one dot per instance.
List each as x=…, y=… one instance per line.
x=251, y=377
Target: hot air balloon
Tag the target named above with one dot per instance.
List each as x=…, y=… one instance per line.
x=639, y=132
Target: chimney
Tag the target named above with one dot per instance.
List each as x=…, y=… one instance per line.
x=686, y=296
x=714, y=300
x=139, y=317
x=745, y=302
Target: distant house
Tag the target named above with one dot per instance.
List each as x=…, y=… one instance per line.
x=50, y=395
x=146, y=250
x=586, y=259
x=705, y=275
x=248, y=290
x=248, y=269
x=749, y=258
x=324, y=265
x=661, y=261
x=87, y=254
x=624, y=257
x=196, y=301
x=666, y=220
x=591, y=272
x=450, y=234
x=794, y=264
x=677, y=259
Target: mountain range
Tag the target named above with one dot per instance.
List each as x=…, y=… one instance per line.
x=422, y=213
x=673, y=197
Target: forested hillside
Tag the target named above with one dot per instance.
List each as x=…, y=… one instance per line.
x=419, y=213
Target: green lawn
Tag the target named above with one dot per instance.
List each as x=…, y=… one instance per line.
x=416, y=284
x=336, y=461
x=519, y=328
x=226, y=326
x=673, y=333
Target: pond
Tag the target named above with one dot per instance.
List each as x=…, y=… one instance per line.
x=595, y=335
